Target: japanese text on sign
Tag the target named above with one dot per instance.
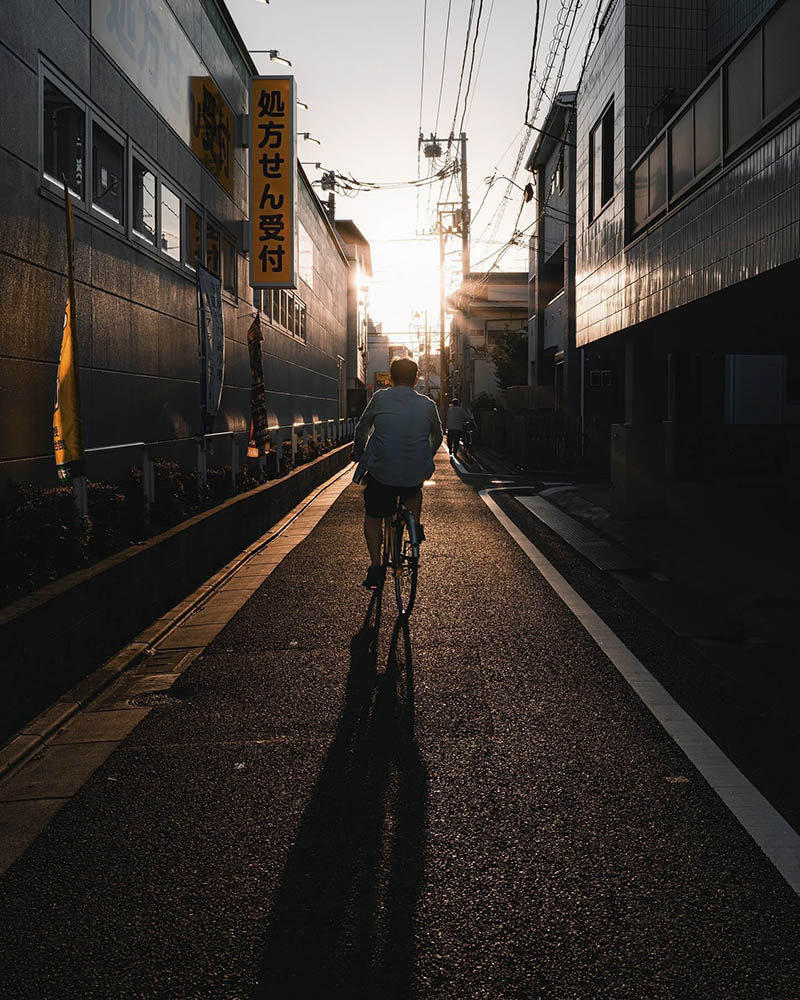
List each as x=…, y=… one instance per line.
x=272, y=182
x=212, y=130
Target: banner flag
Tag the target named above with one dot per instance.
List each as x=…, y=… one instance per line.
x=67, y=429
x=259, y=428
x=211, y=336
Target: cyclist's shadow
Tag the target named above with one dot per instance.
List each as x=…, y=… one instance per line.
x=342, y=923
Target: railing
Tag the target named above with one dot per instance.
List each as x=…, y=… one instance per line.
x=338, y=430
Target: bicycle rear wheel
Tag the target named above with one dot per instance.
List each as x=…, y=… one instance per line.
x=405, y=561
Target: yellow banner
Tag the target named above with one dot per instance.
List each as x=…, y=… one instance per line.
x=212, y=130
x=67, y=430
x=273, y=171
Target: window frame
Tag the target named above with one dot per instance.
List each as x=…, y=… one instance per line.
x=596, y=211
x=137, y=238
x=119, y=136
x=46, y=181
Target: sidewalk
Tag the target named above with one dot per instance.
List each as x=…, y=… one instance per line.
x=733, y=553
x=269, y=831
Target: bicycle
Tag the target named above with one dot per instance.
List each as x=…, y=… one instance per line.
x=401, y=555
x=467, y=442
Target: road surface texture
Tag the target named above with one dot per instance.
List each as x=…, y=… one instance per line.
x=274, y=831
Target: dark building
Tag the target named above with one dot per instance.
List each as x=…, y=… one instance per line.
x=139, y=106
x=359, y=256
x=688, y=215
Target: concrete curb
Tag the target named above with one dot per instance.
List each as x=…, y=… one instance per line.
x=25, y=743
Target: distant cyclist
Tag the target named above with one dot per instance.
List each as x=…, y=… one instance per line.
x=456, y=421
x=395, y=440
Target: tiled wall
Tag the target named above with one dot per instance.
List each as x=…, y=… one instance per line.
x=744, y=223
x=728, y=19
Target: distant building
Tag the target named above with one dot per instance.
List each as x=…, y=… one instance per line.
x=137, y=105
x=484, y=307
x=359, y=257
x=687, y=256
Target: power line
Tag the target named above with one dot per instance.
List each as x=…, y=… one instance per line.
x=533, y=60
x=463, y=66
x=422, y=79
x=471, y=66
x=480, y=60
x=444, y=64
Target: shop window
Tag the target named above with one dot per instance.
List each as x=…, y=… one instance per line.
x=301, y=322
x=63, y=135
x=170, y=223
x=681, y=166
x=229, y=267
x=213, y=249
x=144, y=202
x=290, y=313
x=108, y=188
x=744, y=93
x=706, y=128
x=601, y=163
x=194, y=238
x=781, y=65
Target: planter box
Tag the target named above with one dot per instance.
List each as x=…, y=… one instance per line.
x=57, y=635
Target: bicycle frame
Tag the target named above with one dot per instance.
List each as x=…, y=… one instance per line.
x=401, y=555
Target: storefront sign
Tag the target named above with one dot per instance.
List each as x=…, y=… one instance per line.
x=211, y=343
x=273, y=171
x=212, y=130
x=147, y=42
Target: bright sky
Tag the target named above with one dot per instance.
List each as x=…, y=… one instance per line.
x=358, y=65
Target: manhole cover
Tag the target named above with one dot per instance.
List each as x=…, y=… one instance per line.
x=155, y=699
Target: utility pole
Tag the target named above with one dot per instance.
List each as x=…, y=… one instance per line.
x=432, y=147
x=465, y=220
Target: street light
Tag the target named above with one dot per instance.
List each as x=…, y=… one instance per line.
x=274, y=55
x=302, y=104
x=527, y=191
x=308, y=136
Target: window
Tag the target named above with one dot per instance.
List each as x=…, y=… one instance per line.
x=63, y=139
x=682, y=151
x=301, y=322
x=108, y=188
x=144, y=202
x=781, y=65
x=601, y=163
x=212, y=249
x=194, y=237
x=305, y=255
x=170, y=223
x=744, y=93
x=706, y=128
x=657, y=162
x=229, y=267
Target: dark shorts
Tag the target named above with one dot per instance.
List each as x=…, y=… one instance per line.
x=380, y=500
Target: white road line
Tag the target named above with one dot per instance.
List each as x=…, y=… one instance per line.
x=766, y=826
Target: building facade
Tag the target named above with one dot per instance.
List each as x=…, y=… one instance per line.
x=137, y=107
x=485, y=307
x=359, y=257
x=687, y=250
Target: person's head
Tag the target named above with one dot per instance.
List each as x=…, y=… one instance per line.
x=454, y=402
x=403, y=371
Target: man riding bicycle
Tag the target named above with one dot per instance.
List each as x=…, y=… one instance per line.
x=395, y=440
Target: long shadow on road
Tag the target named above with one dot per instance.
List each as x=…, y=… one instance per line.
x=342, y=924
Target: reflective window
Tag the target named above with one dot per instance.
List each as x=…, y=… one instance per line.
x=781, y=65
x=229, y=267
x=640, y=196
x=144, y=202
x=681, y=152
x=108, y=189
x=170, y=223
x=194, y=238
x=290, y=312
x=301, y=321
x=601, y=162
x=658, y=176
x=63, y=128
x=744, y=93
x=213, y=249
x=706, y=127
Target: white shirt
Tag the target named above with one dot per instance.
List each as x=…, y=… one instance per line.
x=405, y=435
x=457, y=417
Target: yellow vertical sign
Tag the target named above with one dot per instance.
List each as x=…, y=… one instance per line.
x=273, y=172
x=67, y=430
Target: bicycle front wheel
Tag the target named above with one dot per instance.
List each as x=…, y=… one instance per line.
x=405, y=561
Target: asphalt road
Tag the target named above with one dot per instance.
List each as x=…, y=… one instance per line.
x=275, y=832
